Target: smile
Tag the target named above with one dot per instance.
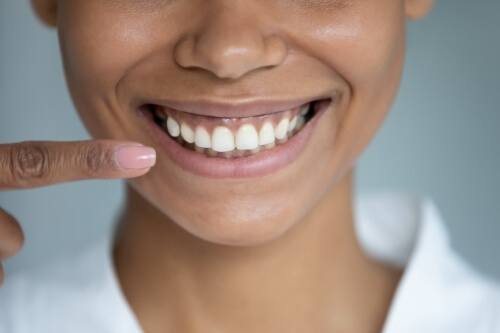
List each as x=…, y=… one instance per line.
x=234, y=146
x=232, y=137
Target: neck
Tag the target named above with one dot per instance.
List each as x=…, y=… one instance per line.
x=308, y=280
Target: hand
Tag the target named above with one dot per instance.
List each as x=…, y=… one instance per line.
x=34, y=164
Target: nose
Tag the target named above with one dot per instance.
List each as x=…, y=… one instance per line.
x=229, y=44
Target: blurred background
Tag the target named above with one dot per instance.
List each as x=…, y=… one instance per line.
x=442, y=138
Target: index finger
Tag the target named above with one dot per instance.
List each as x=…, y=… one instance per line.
x=38, y=163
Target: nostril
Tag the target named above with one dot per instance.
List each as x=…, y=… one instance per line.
x=230, y=53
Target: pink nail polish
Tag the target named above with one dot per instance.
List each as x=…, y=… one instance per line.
x=135, y=157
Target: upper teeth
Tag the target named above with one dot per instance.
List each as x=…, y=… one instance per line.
x=246, y=138
x=187, y=133
x=202, y=138
x=304, y=109
x=281, y=130
x=292, y=124
x=173, y=127
x=222, y=139
x=266, y=134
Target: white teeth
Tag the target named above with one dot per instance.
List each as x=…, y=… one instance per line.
x=292, y=124
x=247, y=137
x=187, y=133
x=173, y=127
x=246, y=141
x=266, y=134
x=282, y=129
x=300, y=122
x=202, y=138
x=304, y=109
x=222, y=139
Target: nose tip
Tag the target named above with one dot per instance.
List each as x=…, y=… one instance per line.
x=230, y=53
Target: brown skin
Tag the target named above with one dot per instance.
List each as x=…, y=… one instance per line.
x=33, y=164
x=271, y=254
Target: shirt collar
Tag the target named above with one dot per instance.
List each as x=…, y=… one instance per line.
x=406, y=231
x=438, y=290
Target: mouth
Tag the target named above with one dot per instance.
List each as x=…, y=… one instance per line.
x=217, y=146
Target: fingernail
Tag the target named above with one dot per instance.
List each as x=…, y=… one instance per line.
x=135, y=157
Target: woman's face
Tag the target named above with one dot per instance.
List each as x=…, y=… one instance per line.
x=129, y=58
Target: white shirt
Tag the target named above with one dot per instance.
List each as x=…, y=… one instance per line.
x=438, y=293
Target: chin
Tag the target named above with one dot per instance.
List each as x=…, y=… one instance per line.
x=237, y=221
x=246, y=200
x=234, y=223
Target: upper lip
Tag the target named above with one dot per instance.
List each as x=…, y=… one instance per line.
x=236, y=108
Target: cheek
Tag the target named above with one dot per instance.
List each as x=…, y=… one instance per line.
x=97, y=50
x=368, y=53
x=363, y=47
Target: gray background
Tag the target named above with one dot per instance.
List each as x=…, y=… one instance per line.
x=441, y=139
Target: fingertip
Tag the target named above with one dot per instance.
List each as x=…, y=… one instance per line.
x=134, y=157
x=135, y=173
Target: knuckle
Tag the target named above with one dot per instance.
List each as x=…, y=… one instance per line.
x=29, y=160
x=96, y=158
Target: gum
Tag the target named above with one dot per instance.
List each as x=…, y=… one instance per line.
x=210, y=123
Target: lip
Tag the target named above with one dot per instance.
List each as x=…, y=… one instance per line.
x=260, y=164
x=234, y=109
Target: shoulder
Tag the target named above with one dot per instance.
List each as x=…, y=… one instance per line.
x=439, y=291
x=75, y=294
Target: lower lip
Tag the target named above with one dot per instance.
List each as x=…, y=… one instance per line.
x=260, y=164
